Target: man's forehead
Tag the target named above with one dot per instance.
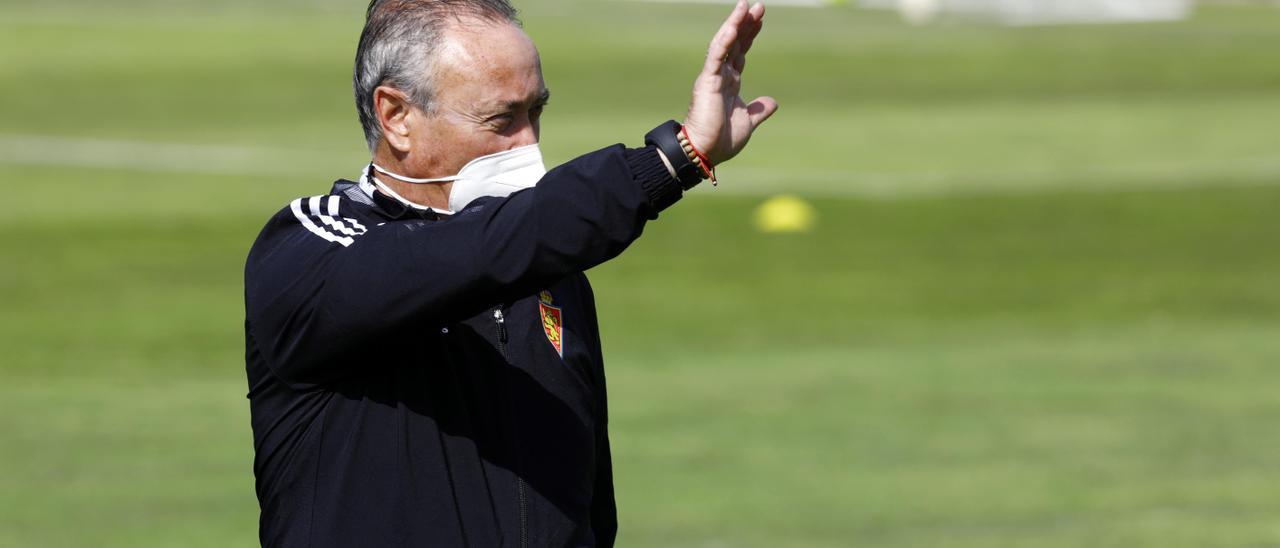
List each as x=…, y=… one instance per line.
x=475, y=42
x=491, y=65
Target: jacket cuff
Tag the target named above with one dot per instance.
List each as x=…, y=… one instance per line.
x=651, y=174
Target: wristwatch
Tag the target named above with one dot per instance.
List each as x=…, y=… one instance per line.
x=667, y=138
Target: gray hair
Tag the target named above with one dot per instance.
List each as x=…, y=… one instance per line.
x=399, y=44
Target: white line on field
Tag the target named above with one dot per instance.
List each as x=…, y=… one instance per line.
x=113, y=154
x=42, y=150
x=1167, y=174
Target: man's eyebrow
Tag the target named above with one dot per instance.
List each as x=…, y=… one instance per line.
x=514, y=105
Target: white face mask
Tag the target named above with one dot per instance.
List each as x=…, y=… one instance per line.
x=497, y=174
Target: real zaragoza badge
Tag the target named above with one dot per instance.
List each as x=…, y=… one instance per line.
x=552, y=322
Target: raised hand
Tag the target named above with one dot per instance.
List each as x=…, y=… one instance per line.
x=720, y=123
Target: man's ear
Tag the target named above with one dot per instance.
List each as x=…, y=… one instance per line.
x=393, y=108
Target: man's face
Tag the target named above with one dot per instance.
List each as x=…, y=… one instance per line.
x=489, y=98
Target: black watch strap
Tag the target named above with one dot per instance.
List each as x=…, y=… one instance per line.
x=665, y=137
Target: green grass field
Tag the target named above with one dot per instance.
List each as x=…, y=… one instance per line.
x=1041, y=307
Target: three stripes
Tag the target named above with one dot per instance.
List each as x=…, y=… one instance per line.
x=341, y=230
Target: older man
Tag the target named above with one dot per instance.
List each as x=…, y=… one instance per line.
x=422, y=352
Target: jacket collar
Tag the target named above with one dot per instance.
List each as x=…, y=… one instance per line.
x=382, y=204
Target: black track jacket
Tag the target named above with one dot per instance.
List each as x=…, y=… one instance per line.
x=423, y=382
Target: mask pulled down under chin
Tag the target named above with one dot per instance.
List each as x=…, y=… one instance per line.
x=498, y=174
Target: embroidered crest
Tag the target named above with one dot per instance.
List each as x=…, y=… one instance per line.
x=552, y=321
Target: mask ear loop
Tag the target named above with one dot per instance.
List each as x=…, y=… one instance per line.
x=412, y=180
x=395, y=195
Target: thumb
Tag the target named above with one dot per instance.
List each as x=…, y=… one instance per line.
x=760, y=110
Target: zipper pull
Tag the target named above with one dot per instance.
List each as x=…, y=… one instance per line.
x=502, y=325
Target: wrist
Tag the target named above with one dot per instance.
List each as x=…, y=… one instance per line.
x=694, y=153
x=666, y=162
x=696, y=138
x=687, y=164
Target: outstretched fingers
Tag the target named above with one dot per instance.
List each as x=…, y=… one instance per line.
x=725, y=38
x=755, y=22
x=747, y=32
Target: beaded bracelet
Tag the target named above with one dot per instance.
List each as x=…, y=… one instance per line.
x=697, y=157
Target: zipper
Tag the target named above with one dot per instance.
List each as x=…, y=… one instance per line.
x=499, y=319
x=501, y=322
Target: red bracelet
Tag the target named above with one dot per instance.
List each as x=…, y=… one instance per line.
x=700, y=158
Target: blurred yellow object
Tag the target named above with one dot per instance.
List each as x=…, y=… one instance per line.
x=785, y=213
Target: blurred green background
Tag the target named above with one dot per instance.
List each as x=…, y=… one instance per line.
x=1040, y=307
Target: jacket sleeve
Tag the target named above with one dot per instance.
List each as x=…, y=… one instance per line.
x=319, y=286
